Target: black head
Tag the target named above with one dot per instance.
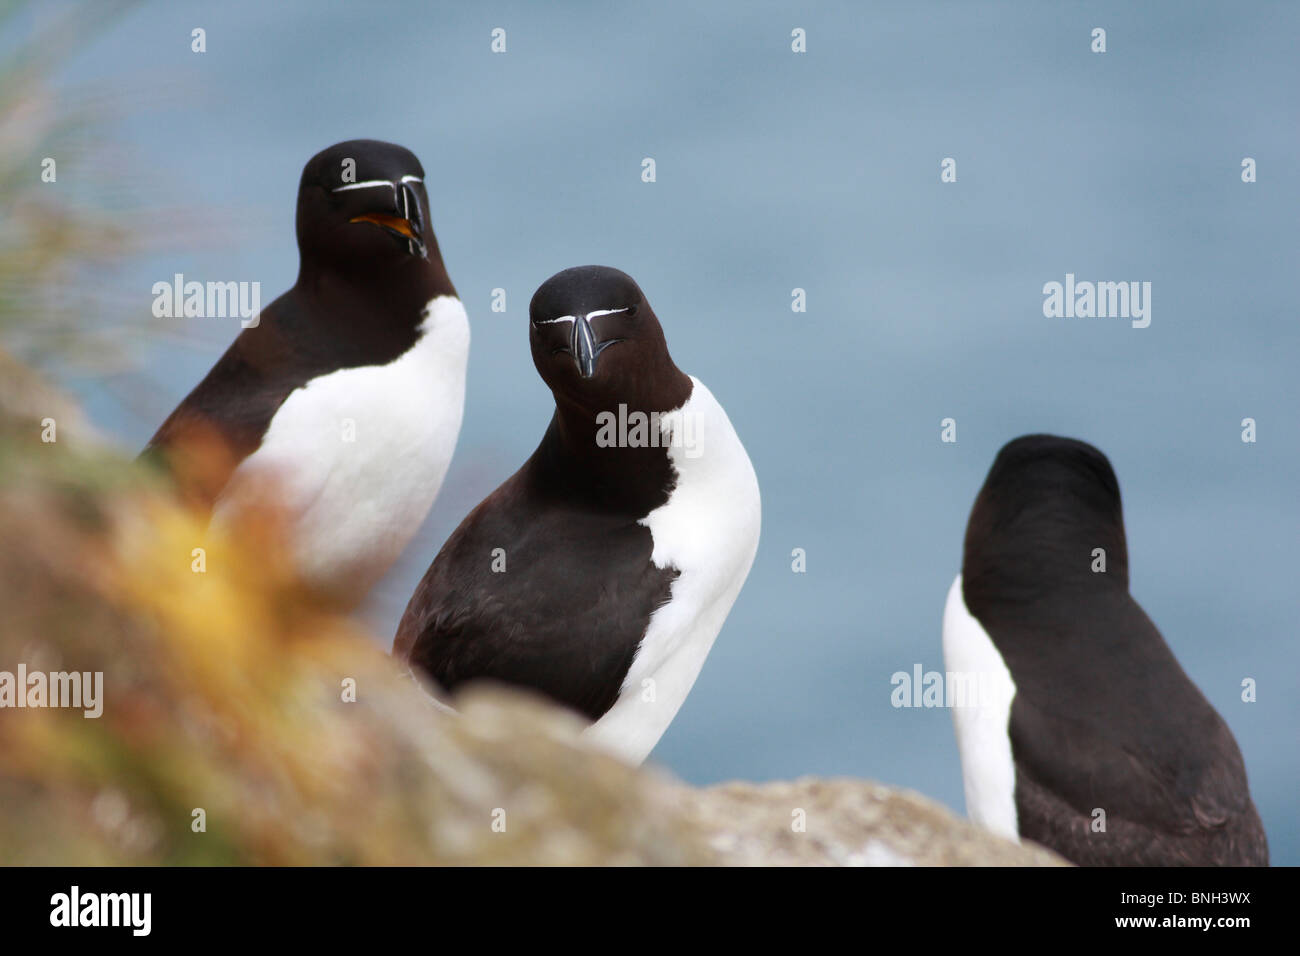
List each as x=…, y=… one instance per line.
x=1046, y=504
x=596, y=342
x=363, y=207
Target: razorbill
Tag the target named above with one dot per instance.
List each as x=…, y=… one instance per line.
x=601, y=572
x=342, y=406
x=1083, y=733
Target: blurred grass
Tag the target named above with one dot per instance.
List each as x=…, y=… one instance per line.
x=224, y=690
x=60, y=243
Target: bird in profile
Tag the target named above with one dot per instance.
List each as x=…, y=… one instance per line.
x=340, y=408
x=601, y=572
x=1083, y=734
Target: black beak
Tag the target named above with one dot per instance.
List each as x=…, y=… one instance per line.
x=401, y=227
x=411, y=213
x=405, y=222
x=584, y=348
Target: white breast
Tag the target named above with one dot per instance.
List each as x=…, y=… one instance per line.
x=983, y=729
x=356, y=457
x=707, y=530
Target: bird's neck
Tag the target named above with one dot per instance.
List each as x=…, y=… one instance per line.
x=397, y=287
x=616, y=458
x=1024, y=569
